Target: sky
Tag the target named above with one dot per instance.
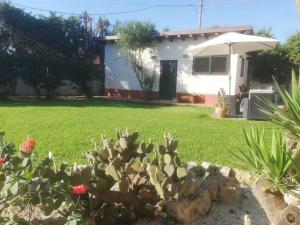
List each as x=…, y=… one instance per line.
x=280, y=15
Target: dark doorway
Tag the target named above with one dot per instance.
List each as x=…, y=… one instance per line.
x=168, y=79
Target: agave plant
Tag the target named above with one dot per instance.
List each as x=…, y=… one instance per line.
x=274, y=161
x=288, y=117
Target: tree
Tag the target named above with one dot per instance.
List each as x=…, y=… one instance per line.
x=81, y=72
x=42, y=72
x=46, y=49
x=34, y=34
x=265, y=32
x=293, y=47
x=135, y=38
x=166, y=29
x=102, y=27
x=8, y=75
x=115, y=27
x=273, y=63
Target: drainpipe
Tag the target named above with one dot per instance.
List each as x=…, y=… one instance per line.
x=229, y=78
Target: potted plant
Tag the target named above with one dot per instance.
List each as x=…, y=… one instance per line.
x=221, y=107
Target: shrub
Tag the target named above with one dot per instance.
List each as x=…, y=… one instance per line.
x=42, y=72
x=272, y=63
x=45, y=72
x=289, y=117
x=121, y=181
x=8, y=76
x=273, y=162
x=25, y=183
x=81, y=72
x=278, y=163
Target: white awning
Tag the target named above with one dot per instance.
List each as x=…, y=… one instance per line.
x=240, y=43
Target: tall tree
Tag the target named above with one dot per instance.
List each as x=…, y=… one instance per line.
x=33, y=34
x=102, y=27
x=265, y=32
x=135, y=38
x=293, y=47
x=47, y=49
x=273, y=63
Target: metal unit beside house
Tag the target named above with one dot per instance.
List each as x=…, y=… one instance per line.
x=179, y=75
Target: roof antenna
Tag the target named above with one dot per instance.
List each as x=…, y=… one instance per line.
x=200, y=13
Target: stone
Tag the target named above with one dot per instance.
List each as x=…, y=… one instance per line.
x=227, y=172
x=189, y=187
x=243, y=177
x=191, y=165
x=221, y=188
x=206, y=165
x=188, y=210
x=227, y=195
x=247, y=220
x=209, y=168
x=212, y=186
x=195, y=170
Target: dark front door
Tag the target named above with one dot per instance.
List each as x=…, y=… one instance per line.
x=168, y=79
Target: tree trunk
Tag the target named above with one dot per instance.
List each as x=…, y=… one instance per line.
x=277, y=210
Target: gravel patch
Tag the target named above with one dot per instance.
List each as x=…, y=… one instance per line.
x=246, y=211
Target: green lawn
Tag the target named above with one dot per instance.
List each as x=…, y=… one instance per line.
x=67, y=127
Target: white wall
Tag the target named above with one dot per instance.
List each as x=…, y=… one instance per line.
x=68, y=89
x=119, y=74
x=118, y=71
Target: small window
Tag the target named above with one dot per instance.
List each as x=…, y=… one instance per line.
x=210, y=65
x=201, y=65
x=218, y=64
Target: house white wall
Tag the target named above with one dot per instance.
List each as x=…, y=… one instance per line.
x=119, y=74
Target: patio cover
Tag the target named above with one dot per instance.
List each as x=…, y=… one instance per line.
x=232, y=43
x=240, y=43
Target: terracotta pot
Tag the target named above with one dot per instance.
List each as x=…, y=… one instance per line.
x=186, y=99
x=199, y=99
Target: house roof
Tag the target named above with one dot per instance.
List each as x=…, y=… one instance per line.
x=212, y=31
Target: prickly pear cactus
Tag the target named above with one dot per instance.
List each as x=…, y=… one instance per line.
x=166, y=172
x=123, y=177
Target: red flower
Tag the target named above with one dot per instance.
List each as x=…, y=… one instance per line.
x=79, y=189
x=28, y=146
x=2, y=161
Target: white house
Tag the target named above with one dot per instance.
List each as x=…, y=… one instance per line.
x=179, y=75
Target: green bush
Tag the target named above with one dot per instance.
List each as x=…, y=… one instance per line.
x=42, y=72
x=278, y=163
x=135, y=38
x=81, y=72
x=45, y=72
x=8, y=76
x=45, y=51
x=289, y=117
x=273, y=162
